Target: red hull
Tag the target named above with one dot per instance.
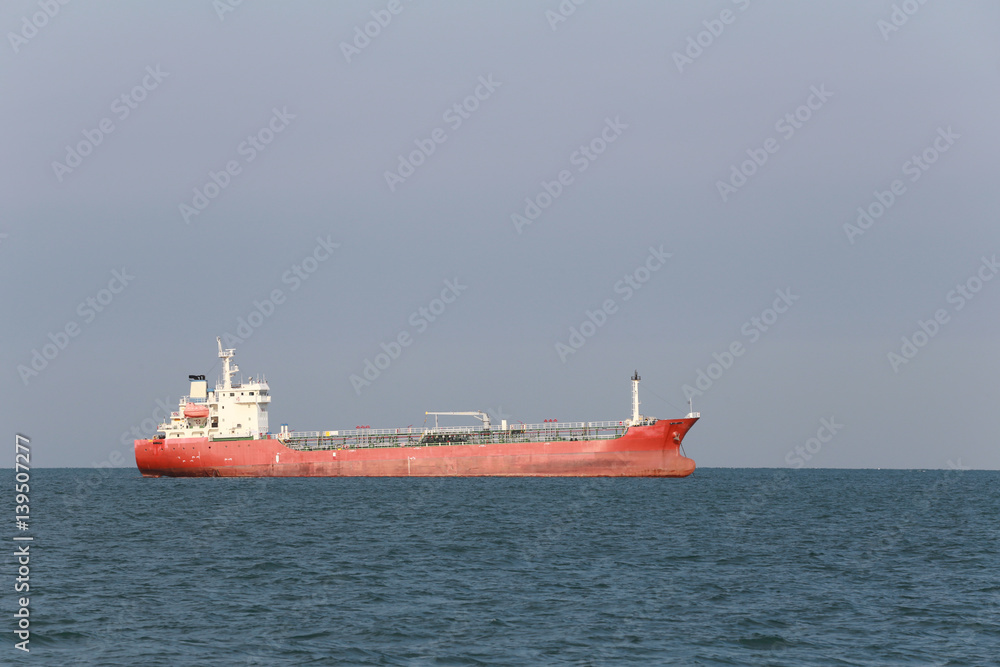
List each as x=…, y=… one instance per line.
x=643, y=451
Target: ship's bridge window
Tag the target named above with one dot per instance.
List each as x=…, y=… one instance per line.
x=251, y=393
x=232, y=394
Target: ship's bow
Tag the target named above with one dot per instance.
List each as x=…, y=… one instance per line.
x=662, y=442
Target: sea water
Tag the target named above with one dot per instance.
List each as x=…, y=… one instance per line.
x=726, y=567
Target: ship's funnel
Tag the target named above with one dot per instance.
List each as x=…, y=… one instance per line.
x=199, y=389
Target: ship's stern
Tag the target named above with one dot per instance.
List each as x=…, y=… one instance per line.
x=148, y=456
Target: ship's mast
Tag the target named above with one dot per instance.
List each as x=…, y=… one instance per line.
x=635, y=398
x=227, y=371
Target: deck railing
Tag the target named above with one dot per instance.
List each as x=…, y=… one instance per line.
x=452, y=435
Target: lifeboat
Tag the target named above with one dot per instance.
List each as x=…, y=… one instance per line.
x=195, y=411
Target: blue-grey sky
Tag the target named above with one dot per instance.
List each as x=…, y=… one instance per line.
x=177, y=163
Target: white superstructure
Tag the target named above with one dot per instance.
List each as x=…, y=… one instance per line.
x=231, y=411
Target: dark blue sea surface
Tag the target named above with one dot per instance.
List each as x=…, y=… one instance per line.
x=726, y=567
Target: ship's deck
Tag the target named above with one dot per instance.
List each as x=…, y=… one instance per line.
x=423, y=437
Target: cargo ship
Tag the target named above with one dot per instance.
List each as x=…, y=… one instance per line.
x=224, y=433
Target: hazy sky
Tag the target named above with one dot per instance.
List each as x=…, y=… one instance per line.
x=675, y=170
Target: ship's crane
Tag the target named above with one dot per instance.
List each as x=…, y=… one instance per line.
x=481, y=416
